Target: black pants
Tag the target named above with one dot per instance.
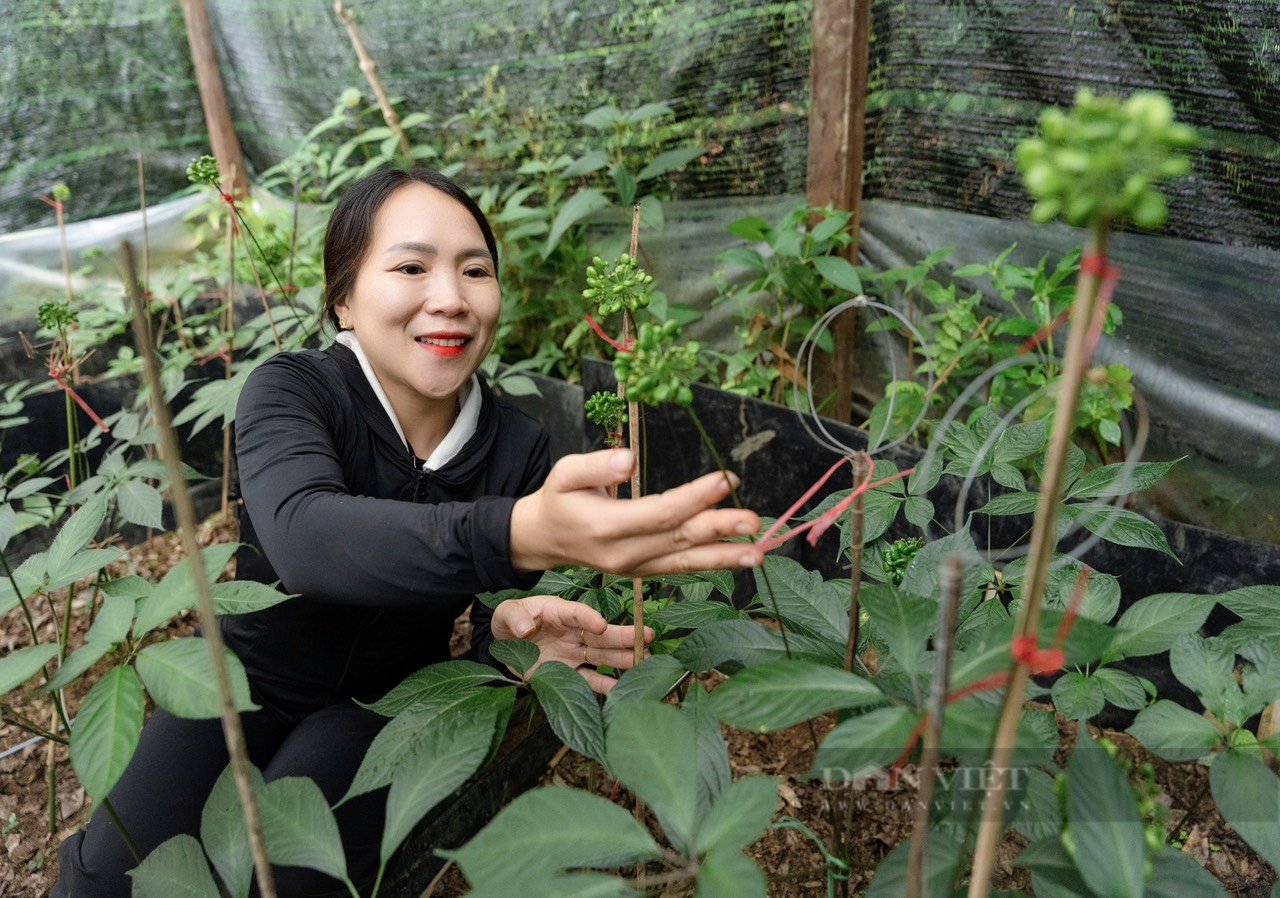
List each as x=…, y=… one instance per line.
x=163, y=791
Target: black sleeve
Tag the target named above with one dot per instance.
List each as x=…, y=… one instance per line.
x=482, y=614
x=330, y=545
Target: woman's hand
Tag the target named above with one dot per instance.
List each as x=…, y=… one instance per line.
x=572, y=520
x=569, y=632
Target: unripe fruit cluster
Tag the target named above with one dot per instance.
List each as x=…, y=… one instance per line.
x=618, y=285
x=656, y=369
x=1099, y=162
x=608, y=410
x=204, y=171
x=900, y=554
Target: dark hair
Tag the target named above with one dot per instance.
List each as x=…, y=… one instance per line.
x=346, y=239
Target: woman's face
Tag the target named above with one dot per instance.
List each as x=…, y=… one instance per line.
x=425, y=302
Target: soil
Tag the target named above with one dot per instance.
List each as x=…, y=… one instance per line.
x=794, y=864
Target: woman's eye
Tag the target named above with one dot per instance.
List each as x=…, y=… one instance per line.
x=411, y=268
x=477, y=273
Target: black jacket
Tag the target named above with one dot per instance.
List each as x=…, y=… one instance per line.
x=383, y=555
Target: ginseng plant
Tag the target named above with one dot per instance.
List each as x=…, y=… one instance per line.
x=1092, y=166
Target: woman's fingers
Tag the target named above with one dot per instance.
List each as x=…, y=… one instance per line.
x=713, y=557
x=619, y=636
x=619, y=658
x=515, y=617
x=592, y=470
x=598, y=682
x=570, y=616
x=668, y=510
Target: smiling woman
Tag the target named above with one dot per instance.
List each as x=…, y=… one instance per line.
x=385, y=485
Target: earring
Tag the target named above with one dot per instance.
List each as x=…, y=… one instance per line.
x=343, y=324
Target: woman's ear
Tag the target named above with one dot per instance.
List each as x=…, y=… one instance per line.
x=342, y=311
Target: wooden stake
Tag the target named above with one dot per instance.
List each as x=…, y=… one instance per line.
x=633, y=441
x=217, y=117
x=186, y=514
x=370, y=69
x=862, y=463
x=837, y=136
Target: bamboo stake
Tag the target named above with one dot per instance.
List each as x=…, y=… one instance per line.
x=1043, y=540
x=861, y=464
x=228, y=328
x=633, y=442
x=370, y=69
x=181, y=497
x=944, y=646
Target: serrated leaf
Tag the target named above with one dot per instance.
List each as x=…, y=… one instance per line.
x=1175, y=875
x=571, y=707
x=839, y=272
x=669, y=161
x=75, y=664
x=113, y=620
x=1153, y=624
x=179, y=675
x=588, y=162
x=82, y=564
x=650, y=680
x=140, y=503
x=714, y=774
x=727, y=873
x=739, y=816
x=76, y=533
x=1011, y=504
x=222, y=831
x=918, y=511
x=8, y=524
x=1174, y=733
x=518, y=654
x=397, y=740
x=802, y=603
x=779, y=694
x=548, y=830
x=246, y=596
x=18, y=667
x=448, y=679
x=1120, y=526
x=1248, y=796
x=1108, y=481
x=730, y=645
x=694, y=614
x=1121, y=688
x=1078, y=697
x=1206, y=667
x=176, y=592
x=943, y=853
x=175, y=869
x=923, y=575
x=578, y=207
x=903, y=621
x=862, y=745
x=750, y=228
x=450, y=753
x=106, y=731
x=1105, y=825
x=643, y=739
x=299, y=827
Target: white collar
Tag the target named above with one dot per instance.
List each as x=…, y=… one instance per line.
x=463, y=428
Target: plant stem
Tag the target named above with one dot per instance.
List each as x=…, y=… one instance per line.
x=1043, y=540
x=228, y=328
x=944, y=645
x=231, y=728
x=370, y=69
x=146, y=237
x=124, y=832
x=29, y=725
x=634, y=443
x=861, y=464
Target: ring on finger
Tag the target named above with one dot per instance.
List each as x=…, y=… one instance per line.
x=584, y=654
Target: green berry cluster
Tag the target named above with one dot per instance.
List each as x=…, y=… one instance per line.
x=55, y=315
x=1100, y=161
x=61, y=192
x=204, y=171
x=900, y=554
x=618, y=285
x=608, y=410
x=657, y=368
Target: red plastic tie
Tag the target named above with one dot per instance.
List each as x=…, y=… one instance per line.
x=59, y=375
x=603, y=336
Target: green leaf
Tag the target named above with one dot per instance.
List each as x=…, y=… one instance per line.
x=1248, y=796
x=18, y=667
x=923, y=575
x=862, y=745
x=397, y=740
x=1174, y=875
x=518, y=654
x=179, y=675
x=779, y=694
x=176, y=591
x=571, y=707
x=80, y=565
x=1119, y=526
x=175, y=869
x=1078, y=697
x=578, y=207
x=1105, y=825
x=732, y=644
x=565, y=885
x=802, y=602
x=106, y=731
x=246, y=596
x=549, y=830
x=942, y=855
x=113, y=620
x=446, y=758
x=839, y=272
x=448, y=678
x=1019, y=441
x=1053, y=870
x=694, y=614
x=751, y=228
x=1107, y=482
x=588, y=162
x=76, y=533
x=642, y=740
x=728, y=873
x=1153, y=624
x=918, y=511
x=650, y=680
x=714, y=775
x=1011, y=504
x=1207, y=667
x=299, y=828
x=133, y=586
x=893, y=417
x=140, y=503
x=626, y=184
x=1121, y=688
x=75, y=664
x=8, y=524
x=739, y=816
x=222, y=831
x=669, y=161
x=903, y=621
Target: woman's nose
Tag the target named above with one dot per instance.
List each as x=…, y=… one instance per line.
x=444, y=297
